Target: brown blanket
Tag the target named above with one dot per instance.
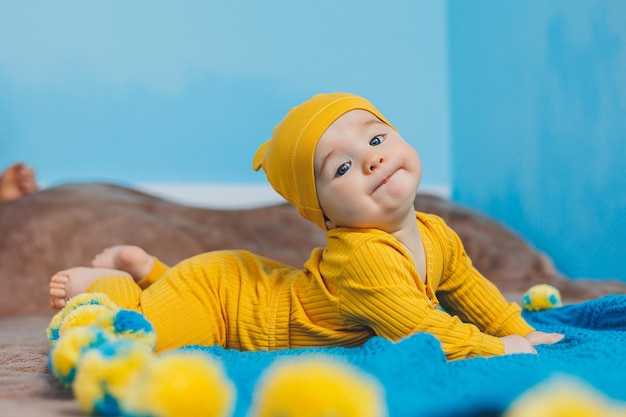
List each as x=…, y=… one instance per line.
x=66, y=226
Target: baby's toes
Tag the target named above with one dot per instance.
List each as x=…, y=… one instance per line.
x=57, y=303
x=58, y=285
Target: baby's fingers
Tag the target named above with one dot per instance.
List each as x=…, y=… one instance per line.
x=541, y=338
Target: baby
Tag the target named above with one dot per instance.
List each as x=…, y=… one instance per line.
x=386, y=271
x=17, y=181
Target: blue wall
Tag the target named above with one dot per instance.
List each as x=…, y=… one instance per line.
x=538, y=124
x=185, y=91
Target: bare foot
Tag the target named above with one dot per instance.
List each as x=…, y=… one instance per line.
x=132, y=259
x=27, y=181
x=70, y=282
x=17, y=181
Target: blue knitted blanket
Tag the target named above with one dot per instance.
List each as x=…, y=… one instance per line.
x=418, y=380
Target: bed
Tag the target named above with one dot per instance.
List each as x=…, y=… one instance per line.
x=65, y=226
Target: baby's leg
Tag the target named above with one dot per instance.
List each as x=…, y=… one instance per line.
x=131, y=259
x=70, y=282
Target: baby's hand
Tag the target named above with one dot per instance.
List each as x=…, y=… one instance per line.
x=517, y=344
x=541, y=338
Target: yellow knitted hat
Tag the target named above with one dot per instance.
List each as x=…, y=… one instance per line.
x=287, y=158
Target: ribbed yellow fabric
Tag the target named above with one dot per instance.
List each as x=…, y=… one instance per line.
x=156, y=272
x=381, y=289
x=363, y=284
x=120, y=288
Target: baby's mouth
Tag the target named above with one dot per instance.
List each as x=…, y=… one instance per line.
x=385, y=180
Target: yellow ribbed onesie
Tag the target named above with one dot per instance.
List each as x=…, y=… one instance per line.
x=364, y=283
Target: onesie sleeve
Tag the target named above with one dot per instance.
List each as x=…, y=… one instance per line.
x=381, y=290
x=465, y=292
x=157, y=270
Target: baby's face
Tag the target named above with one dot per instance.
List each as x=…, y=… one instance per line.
x=366, y=174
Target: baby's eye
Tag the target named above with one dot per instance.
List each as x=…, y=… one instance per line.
x=343, y=169
x=376, y=140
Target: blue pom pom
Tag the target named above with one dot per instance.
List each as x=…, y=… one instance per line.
x=107, y=406
x=53, y=335
x=554, y=300
x=134, y=325
x=131, y=321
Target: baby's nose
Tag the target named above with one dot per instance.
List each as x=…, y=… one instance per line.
x=373, y=163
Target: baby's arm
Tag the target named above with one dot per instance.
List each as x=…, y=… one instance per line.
x=477, y=300
x=465, y=292
x=381, y=290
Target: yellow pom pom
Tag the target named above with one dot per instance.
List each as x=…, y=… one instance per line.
x=541, y=297
x=99, y=302
x=564, y=397
x=97, y=309
x=109, y=372
x=52, y=332
x=86, y=315
x=317, y=386
x=66, y=353
x=182, y=384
